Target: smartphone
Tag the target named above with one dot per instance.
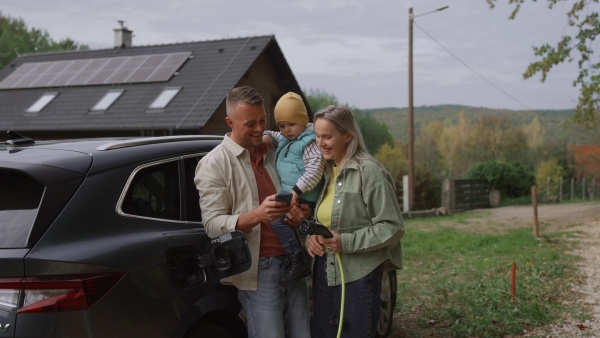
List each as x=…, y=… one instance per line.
x=284, y=197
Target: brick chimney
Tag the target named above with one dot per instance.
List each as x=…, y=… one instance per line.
x=122, y=36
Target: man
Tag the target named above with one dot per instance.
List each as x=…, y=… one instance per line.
x=237, y=184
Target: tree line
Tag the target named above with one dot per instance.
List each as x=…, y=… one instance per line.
x=17, y=39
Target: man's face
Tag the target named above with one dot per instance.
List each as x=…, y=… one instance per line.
x=247, y=124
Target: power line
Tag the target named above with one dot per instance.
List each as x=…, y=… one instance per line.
x=473, y=70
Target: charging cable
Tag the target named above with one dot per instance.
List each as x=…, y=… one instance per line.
x=313, y=228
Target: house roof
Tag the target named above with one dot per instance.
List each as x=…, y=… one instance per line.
x=205, y=78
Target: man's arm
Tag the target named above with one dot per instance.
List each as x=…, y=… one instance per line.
x=215, y=198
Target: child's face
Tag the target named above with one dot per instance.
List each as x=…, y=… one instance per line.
x=290, y=130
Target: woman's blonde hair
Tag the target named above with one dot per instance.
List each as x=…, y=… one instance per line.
x=345, y=123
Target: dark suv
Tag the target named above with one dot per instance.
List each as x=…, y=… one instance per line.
x=103, y=238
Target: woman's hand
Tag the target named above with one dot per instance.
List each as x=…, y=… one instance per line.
x=316, y=244
x=333, y=244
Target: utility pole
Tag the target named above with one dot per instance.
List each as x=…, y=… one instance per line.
x=411, y=123
x=411, y=131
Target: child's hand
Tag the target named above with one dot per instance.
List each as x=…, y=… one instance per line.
x=295, y=197
x=266, y=144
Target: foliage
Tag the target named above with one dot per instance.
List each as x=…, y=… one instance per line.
x=17, y=39
x=375, y=133
x=428, y=188
x=548, y=177
x=319, y=99
x=394, y=160
x=512, y=179
x=579, y=46
x=457, y=283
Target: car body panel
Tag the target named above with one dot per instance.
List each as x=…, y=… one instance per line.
x=81, y=228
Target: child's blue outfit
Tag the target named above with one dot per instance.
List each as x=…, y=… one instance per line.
x=300, y=167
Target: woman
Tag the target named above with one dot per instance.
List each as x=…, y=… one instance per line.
x=359, y=206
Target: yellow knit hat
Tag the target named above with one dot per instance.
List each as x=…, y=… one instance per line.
x=290, y=108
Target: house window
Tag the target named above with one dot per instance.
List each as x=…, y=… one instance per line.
x=165, y=97
x=107, y=100
x=41, y=103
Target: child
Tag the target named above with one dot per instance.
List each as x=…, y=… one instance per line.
x=300, y=167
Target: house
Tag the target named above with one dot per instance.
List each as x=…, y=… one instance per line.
x=169, y=89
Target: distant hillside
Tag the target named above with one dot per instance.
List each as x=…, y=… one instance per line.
x=397, y=119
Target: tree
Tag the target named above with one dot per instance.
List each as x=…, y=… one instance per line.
x=547, y=177
x=319, y=99
x=374, y=132
x=493, y=138
x=394, y=160
x=17, y=39
x=580, y=46
x=427, y=146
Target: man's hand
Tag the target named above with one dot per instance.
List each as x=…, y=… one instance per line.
x=299, y=213
x=268, y=211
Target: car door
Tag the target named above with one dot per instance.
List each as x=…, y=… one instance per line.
x=194, y=264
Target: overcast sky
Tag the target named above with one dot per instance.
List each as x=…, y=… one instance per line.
x=354, y=49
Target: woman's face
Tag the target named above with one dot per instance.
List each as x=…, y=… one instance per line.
x=332, y=143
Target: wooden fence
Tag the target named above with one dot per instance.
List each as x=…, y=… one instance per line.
x=465, y=194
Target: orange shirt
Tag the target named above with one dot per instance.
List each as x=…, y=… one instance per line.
x=269, y=244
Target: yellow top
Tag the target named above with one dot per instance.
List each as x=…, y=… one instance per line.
x=325, y=208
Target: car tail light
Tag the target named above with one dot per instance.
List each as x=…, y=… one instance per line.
x=55, y=293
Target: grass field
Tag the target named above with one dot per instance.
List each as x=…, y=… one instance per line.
x=457, y=281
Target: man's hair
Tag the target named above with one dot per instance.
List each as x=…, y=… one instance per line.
x=242, y=95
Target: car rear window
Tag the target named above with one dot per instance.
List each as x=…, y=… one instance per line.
x=20, y=198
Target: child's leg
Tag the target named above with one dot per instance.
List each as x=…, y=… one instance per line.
x=287, y=236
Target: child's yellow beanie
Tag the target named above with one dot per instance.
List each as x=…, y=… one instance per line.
x=290, y=108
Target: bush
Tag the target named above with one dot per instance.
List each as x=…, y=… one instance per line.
x=511, y=179
x=554, y=171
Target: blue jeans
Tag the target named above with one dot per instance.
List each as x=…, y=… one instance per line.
x=273, y=310
x=287, y=236
x=362, y=304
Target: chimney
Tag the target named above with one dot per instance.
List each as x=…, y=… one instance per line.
x=122, y=36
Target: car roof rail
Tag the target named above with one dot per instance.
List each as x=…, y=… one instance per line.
x=17, y=139
x=154, y=140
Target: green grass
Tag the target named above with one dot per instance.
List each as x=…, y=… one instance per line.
x=458, y=283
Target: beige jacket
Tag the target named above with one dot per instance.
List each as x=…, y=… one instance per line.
x=227, y=187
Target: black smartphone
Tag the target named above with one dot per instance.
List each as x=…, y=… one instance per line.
x=284, y=197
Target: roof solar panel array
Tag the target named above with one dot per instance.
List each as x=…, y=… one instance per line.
x=99, y=71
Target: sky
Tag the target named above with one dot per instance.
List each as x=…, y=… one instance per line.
x=357, y=50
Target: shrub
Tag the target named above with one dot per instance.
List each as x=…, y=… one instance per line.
x=511, y=179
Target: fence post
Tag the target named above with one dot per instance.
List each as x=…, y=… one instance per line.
x=405, y=193
x=548, y=189
x=572, y=187
x=535, y=213
x=583, y=190
x=560, y=193
x=593, y=197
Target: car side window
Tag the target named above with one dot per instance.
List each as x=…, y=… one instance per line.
x=191, y=193
x=154, y=192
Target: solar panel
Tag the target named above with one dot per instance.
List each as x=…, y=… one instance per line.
x=99, y=71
